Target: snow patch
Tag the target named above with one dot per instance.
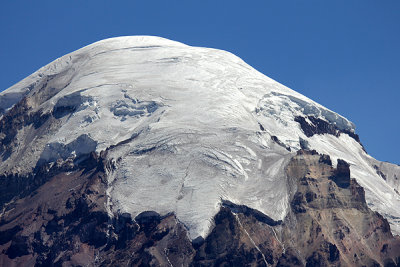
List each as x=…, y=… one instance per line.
x=81, y=146
x=133, y=108
x=284, y=108
x=182, y=124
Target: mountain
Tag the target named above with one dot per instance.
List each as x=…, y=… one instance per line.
x=145, y=151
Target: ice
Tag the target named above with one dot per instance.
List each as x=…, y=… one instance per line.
x=380, y=194
x=183, y=126
x=191, y=172
x=81, y=146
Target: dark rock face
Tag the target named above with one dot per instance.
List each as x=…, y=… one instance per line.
x=259, y=216
x=319, y=126
x=279, y=142
x=15, y=185
x=14, y=120
x=21, y=116
x=341, y=176
x=64, y=222
x=227, y=246
x=380, y=173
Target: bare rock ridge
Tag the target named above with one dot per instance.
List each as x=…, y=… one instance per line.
x=318, y=126
x=142, y=151
x=329, y=224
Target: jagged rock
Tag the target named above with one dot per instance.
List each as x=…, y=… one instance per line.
x=120, y=154
x=328, y=225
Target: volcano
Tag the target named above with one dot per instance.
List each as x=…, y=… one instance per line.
x=143, y=151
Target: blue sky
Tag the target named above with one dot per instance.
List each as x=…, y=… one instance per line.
x=343, y=54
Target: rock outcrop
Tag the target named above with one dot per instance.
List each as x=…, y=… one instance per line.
x=329, y=224
x=142, y=151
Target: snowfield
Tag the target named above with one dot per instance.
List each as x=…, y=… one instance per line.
x=188, y=126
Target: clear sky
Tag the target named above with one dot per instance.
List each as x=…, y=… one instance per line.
x=343, y=54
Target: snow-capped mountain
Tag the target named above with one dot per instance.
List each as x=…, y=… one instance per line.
x=183, y=129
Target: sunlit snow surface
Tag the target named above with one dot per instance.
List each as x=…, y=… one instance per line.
x=187, y=124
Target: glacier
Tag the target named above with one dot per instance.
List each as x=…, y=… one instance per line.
x=186, y=127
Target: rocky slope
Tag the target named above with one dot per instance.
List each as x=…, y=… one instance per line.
x=329, y=224
x=144, y=151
